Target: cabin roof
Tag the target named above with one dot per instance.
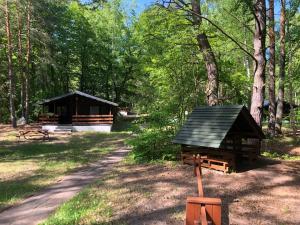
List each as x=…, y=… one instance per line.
x=80, y=94
x=207, y=126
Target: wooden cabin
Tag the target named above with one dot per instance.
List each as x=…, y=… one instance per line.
x=77, y=111
x=222, y=135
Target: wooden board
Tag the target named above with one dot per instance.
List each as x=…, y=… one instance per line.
x=220, y=163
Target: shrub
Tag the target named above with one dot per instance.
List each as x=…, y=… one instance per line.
x=153, y=145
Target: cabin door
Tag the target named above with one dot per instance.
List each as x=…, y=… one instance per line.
x=64, y=115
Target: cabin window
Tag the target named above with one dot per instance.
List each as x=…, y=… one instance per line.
x=61, y=110
x=45, y=109
x=94, y=110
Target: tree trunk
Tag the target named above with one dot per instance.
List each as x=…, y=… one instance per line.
x=28, y=51
x=259, y=55
x=20, y=58
x=272, y=100
x=279, y=111
x=208, y=57
x=10, y=67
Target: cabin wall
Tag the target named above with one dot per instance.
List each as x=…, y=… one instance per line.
x=77, y=105
x=243, y=147
x=84, y=106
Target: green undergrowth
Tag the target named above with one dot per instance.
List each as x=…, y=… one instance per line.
x=153, y=145
x=152, y=141
x=281, y=148
x=280, y=156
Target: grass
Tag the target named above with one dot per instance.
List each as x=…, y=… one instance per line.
x=96, y=204
x=282, y=148
x=81, y=207
x=30, y=166
x=280, y=156
x=285, y=140
x=115, y=198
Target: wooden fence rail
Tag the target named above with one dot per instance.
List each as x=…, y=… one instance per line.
x=92, y=119
x=202, y=210
x=46, y=119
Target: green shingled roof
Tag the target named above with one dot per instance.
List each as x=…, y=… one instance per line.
x=207, y=126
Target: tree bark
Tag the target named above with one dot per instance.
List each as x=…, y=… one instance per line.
x=28, y=54
x=10, y=67
x=279, y=111
x=208, y=57
x=20, y=58
x=272, y=100
x=259, y=55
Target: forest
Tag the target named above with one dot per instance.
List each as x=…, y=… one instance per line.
x=163, y=61
x=149, y=112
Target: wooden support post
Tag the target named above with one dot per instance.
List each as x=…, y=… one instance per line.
x=199, y=163
x=203, y=215
x=76, y=105
x=259, y=147
x=194, y=161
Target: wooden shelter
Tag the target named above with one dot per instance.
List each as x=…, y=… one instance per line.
x=222, y=135
x=78, y=111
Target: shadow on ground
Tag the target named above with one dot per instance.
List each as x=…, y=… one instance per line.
x=156, y=194
x=50, y=161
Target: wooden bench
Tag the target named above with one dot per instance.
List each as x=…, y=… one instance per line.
x=29, y=133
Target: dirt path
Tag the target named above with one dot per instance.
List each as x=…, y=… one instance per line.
x=37, y=208
x=155, y=194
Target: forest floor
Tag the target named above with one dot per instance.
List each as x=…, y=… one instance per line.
x=28, y=166
x=266, y=192
x=155, y=194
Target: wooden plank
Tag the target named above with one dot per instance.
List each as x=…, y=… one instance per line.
x=204, y=210
x=93, y=116
x=212, y=164
x=216, y=216
x=244, y=145
x=210, y=152
x=199, y=182
x=203, y=216
x=209, y=211
x=48, y=119
x=90, y=123
x=91, y=119
x=204, y=200
x=193, y=212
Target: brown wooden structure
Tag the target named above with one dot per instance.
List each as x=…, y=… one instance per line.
x=223, y=135
x=202, y=210
x=78, y=109
x=31, y=132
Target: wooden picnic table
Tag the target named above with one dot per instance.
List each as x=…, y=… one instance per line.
x=30, y=132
